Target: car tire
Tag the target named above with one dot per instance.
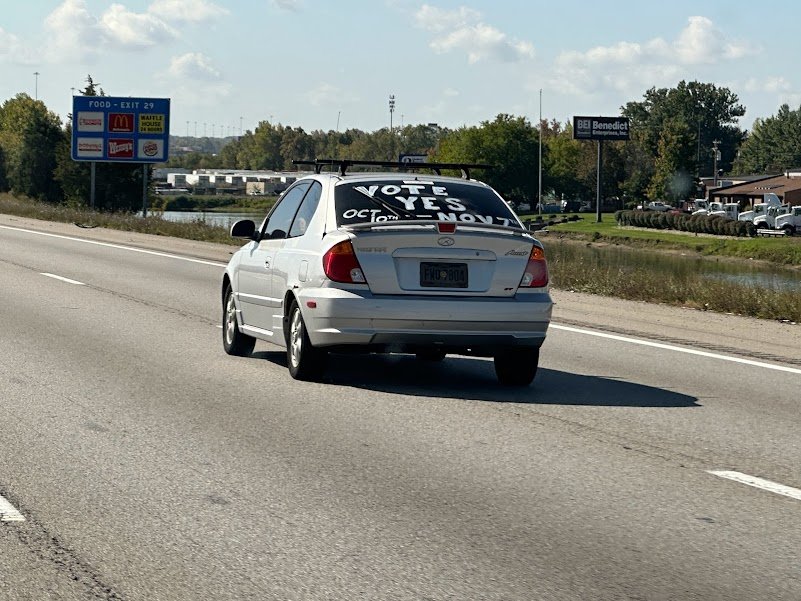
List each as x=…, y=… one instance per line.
x=305, y=362
x=234, y=341
x=430, y=355
x=789, y=229
x=517, y=366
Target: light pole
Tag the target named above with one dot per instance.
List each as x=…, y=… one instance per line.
x=539, y=182
x=240, y=127
x=36, y=86
x=391, y=138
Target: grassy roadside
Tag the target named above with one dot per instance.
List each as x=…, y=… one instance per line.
x=152, y=224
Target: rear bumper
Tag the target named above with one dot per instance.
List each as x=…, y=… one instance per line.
x=357, y=318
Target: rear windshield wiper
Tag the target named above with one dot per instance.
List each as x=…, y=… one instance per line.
x=397, y=211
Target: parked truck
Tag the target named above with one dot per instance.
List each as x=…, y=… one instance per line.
x=789, y=222
x=760, y=209
x=768, y=220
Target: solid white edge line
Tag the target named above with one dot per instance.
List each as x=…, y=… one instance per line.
x=761, y=483
x=9, y=513
x=679, y=349
x=62, y=279
x=119, y=246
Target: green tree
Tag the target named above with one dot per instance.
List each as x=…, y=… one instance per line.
x=510, y=144
x=773, y=145
x=672, y=179
x=29, y=136
x=707, y=112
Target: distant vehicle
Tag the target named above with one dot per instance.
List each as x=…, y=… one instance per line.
x=729, y=210
x=658, y=205
x=791, y=222
x=523, y=206
x=388, y=263
x=571, y=206
x=549, y=207
x=760, y=208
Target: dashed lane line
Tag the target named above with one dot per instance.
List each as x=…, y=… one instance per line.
x=761, y=483
x=9, y=513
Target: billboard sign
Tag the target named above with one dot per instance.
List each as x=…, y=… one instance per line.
x=126, y=130
x=600, y=128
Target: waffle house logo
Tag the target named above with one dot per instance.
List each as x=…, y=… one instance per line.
x=151, y=123
x=121, y=122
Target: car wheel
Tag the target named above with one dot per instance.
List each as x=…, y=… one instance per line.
x=305, y=362
x=789, y=229
x=432, y=355
x=517, y=367
x=234, y=341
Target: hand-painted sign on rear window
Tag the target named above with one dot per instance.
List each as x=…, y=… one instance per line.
x=419, y=199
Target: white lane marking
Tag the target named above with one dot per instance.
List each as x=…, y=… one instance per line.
x=774, y=487
x=679, y=349
x=119, y=246
x=62, y=279
x=9, y=513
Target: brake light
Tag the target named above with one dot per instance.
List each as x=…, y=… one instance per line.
x=341, y=265
x=446, y=227
x=536, y=274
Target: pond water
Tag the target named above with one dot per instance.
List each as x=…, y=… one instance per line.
x=214, y=218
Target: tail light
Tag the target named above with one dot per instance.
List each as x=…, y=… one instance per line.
x=341, y=265
x=536, y=274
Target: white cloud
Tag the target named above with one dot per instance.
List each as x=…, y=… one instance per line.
x=767, y=84
x=193, y=66
x=194, y=11
x=462, y=30
x=193, y=72
x=73, y=33
x=130, y=29
x=629, y=67
x=14, y=50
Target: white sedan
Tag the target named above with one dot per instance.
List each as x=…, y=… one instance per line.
x=389, y=262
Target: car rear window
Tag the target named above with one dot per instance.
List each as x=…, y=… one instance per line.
x=419, y=199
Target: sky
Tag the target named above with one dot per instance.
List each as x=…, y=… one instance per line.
x=333, y=64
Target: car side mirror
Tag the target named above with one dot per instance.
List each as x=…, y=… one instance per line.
x=244, y=229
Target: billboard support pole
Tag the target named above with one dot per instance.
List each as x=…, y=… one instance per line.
x=144, y=189
x=599, y=185
x=92, y=185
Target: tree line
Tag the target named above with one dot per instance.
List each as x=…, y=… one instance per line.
x=674, y=134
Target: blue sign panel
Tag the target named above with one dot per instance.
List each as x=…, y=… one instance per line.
x=126, y=130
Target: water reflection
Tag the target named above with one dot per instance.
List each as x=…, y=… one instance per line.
x=217, y=219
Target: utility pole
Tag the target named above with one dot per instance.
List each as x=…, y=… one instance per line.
x=36, y=86
x=715, y=158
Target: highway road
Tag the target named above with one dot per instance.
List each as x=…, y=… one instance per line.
x=655, y=457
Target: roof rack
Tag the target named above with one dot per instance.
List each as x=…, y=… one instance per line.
x=344, y=164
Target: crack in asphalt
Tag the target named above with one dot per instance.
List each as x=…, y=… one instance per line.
x=50, y=548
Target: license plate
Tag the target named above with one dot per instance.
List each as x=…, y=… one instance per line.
x=443, y=275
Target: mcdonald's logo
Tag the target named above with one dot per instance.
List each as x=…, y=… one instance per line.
x=120, y=122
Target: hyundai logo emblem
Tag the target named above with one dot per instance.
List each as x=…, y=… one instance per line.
x=446, y=241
